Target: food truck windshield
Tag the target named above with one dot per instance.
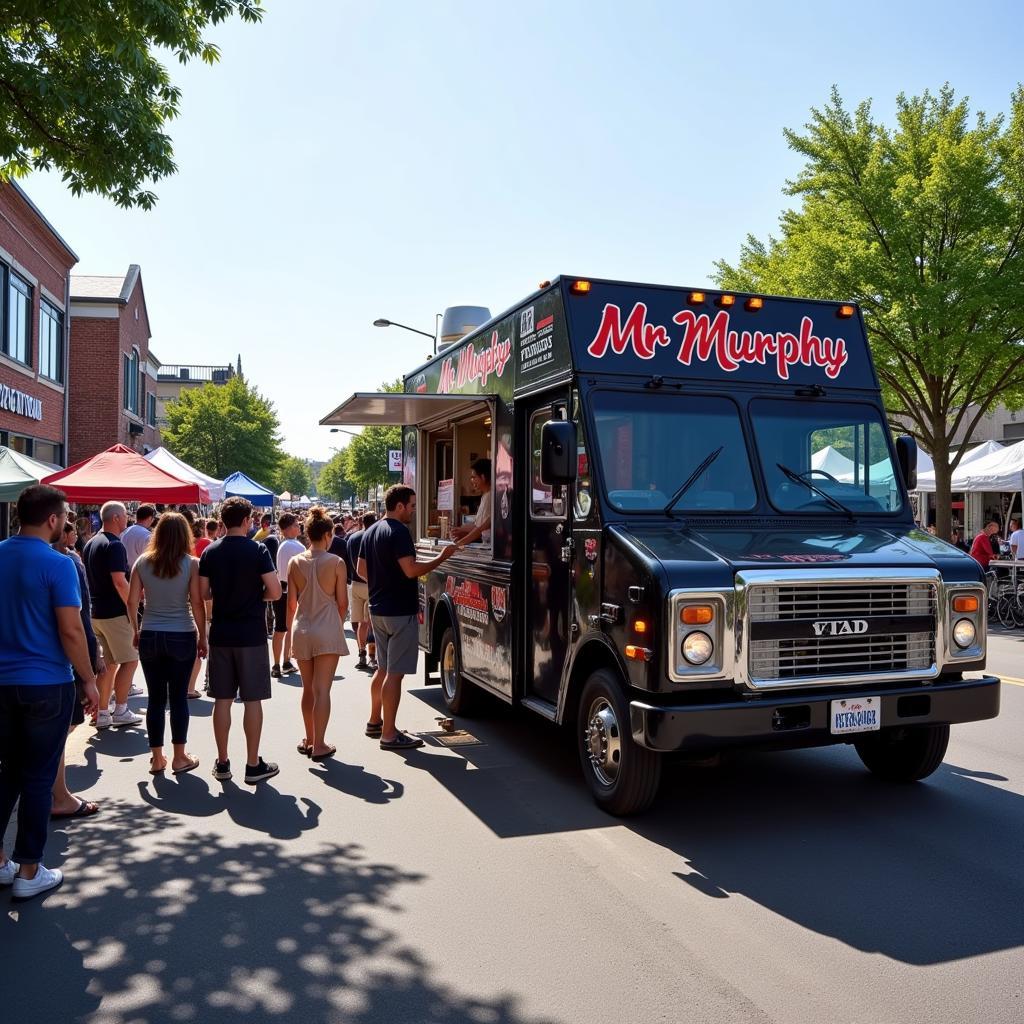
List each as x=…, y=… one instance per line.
x=663, y=452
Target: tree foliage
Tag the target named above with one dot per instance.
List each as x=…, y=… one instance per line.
x=922, y=224
x=294, y=475
x=82, y=90
x=366, y=455
x=334, y=481
x=221, y=428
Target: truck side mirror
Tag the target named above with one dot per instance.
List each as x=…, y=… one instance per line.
x=558, y=452
x=906, y=455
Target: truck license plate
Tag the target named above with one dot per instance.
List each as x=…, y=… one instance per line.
x=855, y=714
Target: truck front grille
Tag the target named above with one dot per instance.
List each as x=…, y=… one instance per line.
x=898, y=637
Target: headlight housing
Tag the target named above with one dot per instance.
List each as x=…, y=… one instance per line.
x=700, y=635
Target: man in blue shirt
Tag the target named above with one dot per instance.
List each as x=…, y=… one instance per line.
x=41, y=638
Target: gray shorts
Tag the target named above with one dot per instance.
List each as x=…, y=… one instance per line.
x=398, y=642
x=240, y=671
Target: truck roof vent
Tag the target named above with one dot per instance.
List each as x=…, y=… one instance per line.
x=458, y=321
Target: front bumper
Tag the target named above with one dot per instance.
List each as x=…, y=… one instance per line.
x=803, y=720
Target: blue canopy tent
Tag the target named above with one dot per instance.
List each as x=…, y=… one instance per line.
x=238, y=485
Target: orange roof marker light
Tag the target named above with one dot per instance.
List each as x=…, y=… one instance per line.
x=845, y=312
x=580, y=287
x=725, y=300
x=753, y=303
x=696, y=298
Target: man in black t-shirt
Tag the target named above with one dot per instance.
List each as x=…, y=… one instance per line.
x=238, y=575
x=107, y=569
x=388, y=563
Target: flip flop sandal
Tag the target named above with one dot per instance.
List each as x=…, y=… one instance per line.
x=323, y=757
x=374, y=729
x=156, y=771
x=190, y=767
x=304, y=749
x=403, y=741
x=85, y=809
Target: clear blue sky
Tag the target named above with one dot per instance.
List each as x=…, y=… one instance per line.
x=348, y=161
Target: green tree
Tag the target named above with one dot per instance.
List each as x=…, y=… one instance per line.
x=294, y=476
x=221, y=428
x=334, y=482
x=922, y=224
x=366, y=455
x=82, y=91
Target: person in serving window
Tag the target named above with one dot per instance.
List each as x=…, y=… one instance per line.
x=480, y=478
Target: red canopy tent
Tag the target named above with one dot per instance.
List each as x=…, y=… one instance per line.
x=120, y=474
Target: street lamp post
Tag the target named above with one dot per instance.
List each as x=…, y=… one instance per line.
x=382, y=322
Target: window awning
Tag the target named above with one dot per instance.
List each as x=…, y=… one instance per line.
x=367, y=409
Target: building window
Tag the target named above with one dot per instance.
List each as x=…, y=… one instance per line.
x=51, y=342
x=19, y=319
x=46, y=451
x=132, y=397
x=151, y=409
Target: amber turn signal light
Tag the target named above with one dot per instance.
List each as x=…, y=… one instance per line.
x=845, y=312
x=580, y=287
x=965, y=604
x=752, y=304
x=635, y=653
x=640, y=626
x=697, y=614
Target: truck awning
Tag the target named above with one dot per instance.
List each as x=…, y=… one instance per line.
x=385, y=409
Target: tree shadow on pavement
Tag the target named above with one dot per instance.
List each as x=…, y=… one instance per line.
x=154, y=926
x=923, y=873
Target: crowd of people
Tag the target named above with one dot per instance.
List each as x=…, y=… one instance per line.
x=173, y=590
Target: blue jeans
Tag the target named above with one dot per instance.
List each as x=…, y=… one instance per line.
x=34, y=723
x=167, y=660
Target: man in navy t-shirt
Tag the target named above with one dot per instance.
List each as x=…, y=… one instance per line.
x=41, y=638
x=387, y=562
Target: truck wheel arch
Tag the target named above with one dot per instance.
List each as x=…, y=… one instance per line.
x=596, y=652
x=441, y=618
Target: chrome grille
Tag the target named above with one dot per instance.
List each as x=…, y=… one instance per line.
x=776, y=661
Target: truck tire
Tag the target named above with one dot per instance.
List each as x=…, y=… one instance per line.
x=905, y=753
x=622, y=776
x=458, y=692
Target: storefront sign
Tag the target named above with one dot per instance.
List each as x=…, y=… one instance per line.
x=13, y=400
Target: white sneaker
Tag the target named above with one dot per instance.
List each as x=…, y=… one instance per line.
x=126, y=717
x=8, y=871
x=136, y=690
x=45, y=880
x=103, y=719
x=111, y=704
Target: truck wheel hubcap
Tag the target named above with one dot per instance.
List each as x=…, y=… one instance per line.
x=603, y=741
x=448, y=671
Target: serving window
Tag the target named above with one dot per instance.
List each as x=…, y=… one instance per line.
x=451, y=491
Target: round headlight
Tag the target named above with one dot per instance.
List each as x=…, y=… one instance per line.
x=964, y=633
x=697, y=648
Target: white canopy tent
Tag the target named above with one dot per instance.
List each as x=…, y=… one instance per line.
x=828, y=460
x=989, y=467
x=169, y=463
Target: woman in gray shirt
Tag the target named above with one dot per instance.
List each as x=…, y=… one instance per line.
x=173, y=634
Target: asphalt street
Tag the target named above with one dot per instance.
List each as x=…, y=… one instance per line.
x=480, y=884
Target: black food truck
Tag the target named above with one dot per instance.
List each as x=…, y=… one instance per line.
x=701, y=536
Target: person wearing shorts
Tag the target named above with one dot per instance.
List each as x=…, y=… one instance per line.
x=288, y=547
x=359, y=605
x=239, y=576
x=388, y=564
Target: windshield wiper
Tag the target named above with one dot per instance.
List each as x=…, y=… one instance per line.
x=815, y=489
x=692, y=478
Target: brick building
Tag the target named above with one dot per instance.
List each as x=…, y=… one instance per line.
x=35, y=267
x=112, y=374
